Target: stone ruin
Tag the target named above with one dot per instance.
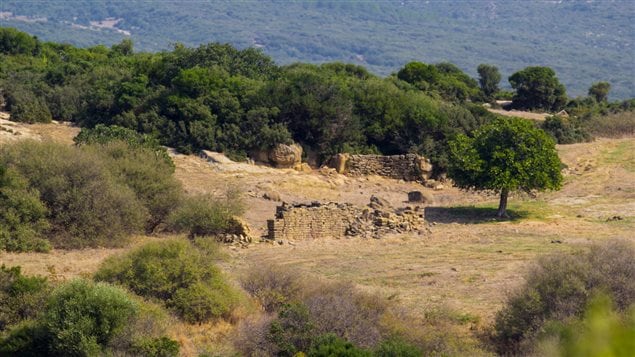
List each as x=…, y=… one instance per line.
x=408, y=167
x=340, y=220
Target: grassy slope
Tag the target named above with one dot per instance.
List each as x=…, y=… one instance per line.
x=584, y=42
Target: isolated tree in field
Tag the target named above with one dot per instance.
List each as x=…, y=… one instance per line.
x=538, y=88
x=600, y=91
x=507, y=155
x=488, y=78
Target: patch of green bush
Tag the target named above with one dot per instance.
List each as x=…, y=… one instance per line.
x=330, y=345
x=565, y=130
x=148, y=173
x=86, y=205
x=23, y=215
x=81, y=318
x=206, y=215
x=559, y=288
x=21, y=297
x=175, y=273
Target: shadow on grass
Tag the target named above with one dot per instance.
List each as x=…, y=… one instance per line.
x=470, y=214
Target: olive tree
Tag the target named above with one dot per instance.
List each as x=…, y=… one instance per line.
x=506, y=155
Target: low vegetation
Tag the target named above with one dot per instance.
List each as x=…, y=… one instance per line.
x=179, y=274
x=559, y=288
x=81, y=318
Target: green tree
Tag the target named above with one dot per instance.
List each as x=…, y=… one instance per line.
x=489, y=77
x=538, y=88
x=507, y=155
x=600, y=91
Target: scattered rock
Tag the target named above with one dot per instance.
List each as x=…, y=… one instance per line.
x=557, y=241
x=614, y=218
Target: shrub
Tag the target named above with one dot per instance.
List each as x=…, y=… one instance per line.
x=397, y=347
x=147, y=174
x=22, y=218
x=292, y=331
x=602, y=331
x=559, y=287
x=348, y=313
x=613, y=125
x=175, y=273
x=331, y=345
x=86, y=207
x=82, y=318
x=273, y=286
x=21, y=297
x=564, y=130
x=205, y=215
x=102, y=134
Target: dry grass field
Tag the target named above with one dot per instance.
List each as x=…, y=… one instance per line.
x=466, y=264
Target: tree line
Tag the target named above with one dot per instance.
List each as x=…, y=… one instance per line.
x=239, y=101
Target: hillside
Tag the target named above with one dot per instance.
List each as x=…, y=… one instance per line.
x=584, y=42
x=464, y=267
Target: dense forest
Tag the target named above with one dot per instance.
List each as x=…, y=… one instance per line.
x=583, y=41
x=240, y=101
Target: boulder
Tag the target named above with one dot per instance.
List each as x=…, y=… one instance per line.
x=272, y=196
x=338, y=162
x=285, y=156
x=418, y=197
x=238, y=227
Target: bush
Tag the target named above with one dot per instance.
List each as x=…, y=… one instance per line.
x=564, y=130
x=602, y=331
x=205, y=215
x=331, y=345
x=612, y=125
x=148, y=174
x=397, y=347
x=22, y=218
x=176, y=274
x=21, y=297
x=292, y=331
x=559, y=288
x=82, y=318
x=86, y=206
x=273, y=286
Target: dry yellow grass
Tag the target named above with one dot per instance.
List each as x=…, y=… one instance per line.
x=466, y=267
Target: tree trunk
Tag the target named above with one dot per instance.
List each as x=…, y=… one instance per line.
x=502, y=206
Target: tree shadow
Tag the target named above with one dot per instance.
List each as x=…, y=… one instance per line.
x=470, y=214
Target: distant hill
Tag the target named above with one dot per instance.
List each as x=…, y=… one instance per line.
x=584, y=41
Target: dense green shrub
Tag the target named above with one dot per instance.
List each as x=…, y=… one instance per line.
x=397, y=347
x=206, y=215
x=177, y=274
x=86, y=206
x=292, y=331
x=148, y=173
x=81, y=318
x=102, y=134
x=559, y=288
x=21, y=297
x=565, y=130
x=22, y=218
x=331, y=345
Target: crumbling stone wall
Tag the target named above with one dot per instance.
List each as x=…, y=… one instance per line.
x=409, y=167
x=339, y=220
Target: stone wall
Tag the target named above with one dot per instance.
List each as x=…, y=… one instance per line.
x=409, y=167
x=339, y=220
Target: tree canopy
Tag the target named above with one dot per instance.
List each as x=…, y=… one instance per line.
x=506, y=155
x=538, y=88
x=489, y=77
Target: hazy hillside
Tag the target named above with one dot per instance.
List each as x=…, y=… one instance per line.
x=584, y=42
